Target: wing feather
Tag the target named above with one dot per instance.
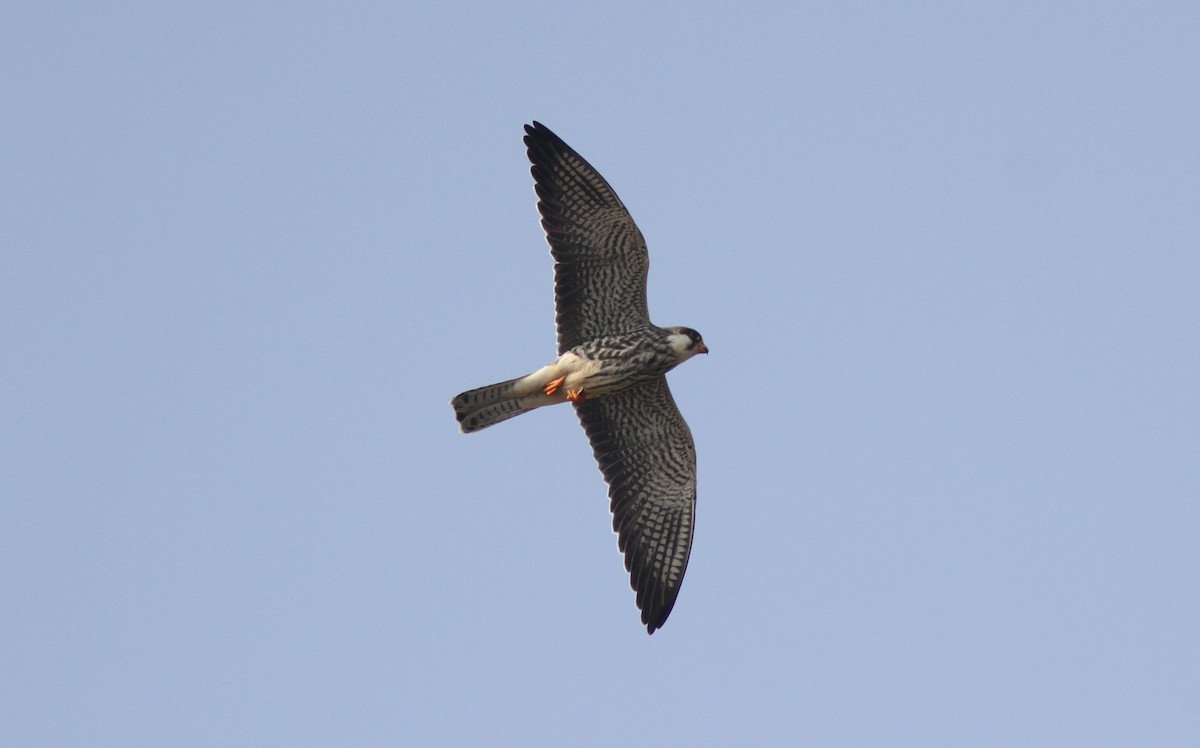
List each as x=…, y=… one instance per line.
x=600, y=257
x=647, y=456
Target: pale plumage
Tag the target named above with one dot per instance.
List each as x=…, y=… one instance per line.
x=611, y=365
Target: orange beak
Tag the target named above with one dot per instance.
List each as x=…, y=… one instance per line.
x=701, y=347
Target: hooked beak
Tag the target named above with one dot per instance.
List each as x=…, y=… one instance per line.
x=701, y=347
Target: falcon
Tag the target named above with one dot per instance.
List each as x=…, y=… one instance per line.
x=611, y=366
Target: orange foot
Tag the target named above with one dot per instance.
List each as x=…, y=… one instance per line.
x=575, y=395
x=553, y=385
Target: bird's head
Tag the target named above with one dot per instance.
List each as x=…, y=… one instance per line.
x=685, y=341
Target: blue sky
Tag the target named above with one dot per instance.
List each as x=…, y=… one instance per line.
x=946, y=258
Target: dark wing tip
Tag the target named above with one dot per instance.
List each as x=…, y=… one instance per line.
x=656, y=602
x=654, y=619
x=544, y=147
x=538, y=129
x=538, y=136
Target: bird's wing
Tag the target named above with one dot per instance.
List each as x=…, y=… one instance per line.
x=648, y=459
x=600, y=258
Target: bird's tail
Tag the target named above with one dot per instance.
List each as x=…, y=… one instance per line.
x=485, y=406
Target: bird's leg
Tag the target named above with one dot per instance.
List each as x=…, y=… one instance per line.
x=553, y=385
x=575, y=395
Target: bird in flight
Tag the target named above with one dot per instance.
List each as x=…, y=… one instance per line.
x=611, y=366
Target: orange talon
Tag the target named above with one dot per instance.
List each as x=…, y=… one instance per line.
x=574, y=395
x=553, y=385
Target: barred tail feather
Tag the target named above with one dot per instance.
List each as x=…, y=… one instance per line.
x=485, y=406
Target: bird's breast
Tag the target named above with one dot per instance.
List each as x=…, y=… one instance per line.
x=610, y=364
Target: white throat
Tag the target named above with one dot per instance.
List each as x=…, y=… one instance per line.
x=679, y=345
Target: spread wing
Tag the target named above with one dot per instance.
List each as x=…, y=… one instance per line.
x=648, y=459
x=600, y=259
